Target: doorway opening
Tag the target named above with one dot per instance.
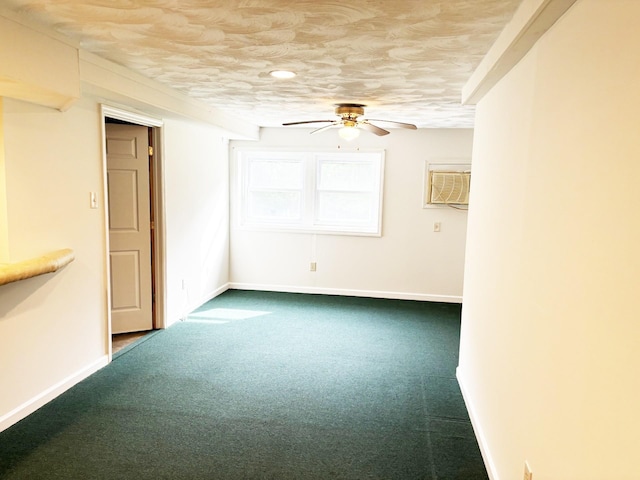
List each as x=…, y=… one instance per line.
x=134, y=214
x=120, y=341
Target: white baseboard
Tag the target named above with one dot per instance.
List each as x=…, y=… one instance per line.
x=189, y=306
x=33, y=404
x=213, y=294
x=477, y=428
x=422, y=297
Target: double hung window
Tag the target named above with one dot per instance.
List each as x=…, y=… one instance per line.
x=323, y=192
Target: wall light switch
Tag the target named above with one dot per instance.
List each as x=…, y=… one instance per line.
x=436, y=226
x=93, y=200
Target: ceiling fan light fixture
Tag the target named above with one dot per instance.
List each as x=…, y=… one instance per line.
x=349, y=133
x=349, y=118
x=282, y=74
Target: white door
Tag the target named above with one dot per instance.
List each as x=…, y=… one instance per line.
x=129, y=228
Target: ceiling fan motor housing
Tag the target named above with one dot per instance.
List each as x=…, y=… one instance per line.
x=349, y=111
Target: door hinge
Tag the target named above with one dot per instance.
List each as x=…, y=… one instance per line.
x=152, y=224
x=150, y=151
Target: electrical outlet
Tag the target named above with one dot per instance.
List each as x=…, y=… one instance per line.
x=436, y=226
x=313, y=266
x=528, y=474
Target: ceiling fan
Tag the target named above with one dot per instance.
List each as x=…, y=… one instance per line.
x=351, y=123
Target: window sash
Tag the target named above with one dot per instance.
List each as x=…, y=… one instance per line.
x=323, y=192
x=273, y=189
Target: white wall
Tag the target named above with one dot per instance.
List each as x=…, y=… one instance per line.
x=408, y=261
x=54, y=328
x=52, y=162
x=197, y=215
x=549, y=357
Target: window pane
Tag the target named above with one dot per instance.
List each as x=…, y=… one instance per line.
x=346, y=175
x=345, y=207
x=325, y=192
x=263, y=206
x=276, y=174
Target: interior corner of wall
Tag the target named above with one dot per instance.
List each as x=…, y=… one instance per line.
x=4, y=230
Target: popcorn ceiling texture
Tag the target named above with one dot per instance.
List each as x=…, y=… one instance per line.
x=406, y=59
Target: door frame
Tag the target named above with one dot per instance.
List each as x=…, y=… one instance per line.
x=158, y=261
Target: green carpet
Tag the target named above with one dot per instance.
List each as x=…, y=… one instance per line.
x=258, y=385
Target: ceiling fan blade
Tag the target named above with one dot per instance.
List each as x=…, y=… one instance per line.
x=307, y=121
x=372, y=128
x=326, y=127
x=410, y=126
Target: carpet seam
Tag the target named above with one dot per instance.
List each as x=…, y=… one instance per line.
x=427, y=432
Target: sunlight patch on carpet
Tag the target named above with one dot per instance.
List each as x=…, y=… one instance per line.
x=223, y=315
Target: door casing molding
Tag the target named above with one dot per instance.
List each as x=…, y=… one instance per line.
x=159, y=232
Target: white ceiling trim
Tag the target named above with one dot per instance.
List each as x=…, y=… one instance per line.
x=530, y=22
x=114, y=83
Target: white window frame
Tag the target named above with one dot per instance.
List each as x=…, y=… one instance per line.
x=311, y=161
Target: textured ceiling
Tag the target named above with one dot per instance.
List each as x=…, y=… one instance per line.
x=406, y=59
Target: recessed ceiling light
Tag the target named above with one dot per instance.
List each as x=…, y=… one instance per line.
x=282, y=74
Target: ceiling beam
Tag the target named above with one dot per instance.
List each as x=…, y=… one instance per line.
x=532, y=19
x=111, y=83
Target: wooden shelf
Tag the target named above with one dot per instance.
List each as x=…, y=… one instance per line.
x=13, y=272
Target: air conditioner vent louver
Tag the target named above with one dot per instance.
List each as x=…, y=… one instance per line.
x=446, y=187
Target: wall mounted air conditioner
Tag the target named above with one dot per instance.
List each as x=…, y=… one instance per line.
x=447, y=185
